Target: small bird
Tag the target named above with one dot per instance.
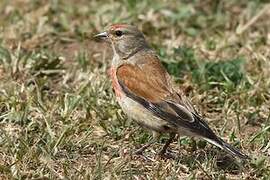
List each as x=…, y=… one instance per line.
x=145, y=91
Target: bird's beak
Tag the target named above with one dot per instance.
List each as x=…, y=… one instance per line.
x=101, y=36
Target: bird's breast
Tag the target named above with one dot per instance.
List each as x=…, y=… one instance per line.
x=116, y=86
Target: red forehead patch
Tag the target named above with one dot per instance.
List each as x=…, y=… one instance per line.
x=117, y=26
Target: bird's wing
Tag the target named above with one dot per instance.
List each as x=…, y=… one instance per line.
x=147, y=80
x=148, y=83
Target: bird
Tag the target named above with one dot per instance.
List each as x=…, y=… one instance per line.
x=146, y=93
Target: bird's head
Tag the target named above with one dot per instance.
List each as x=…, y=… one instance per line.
x=125, y=39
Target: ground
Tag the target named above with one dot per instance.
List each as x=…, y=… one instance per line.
x=58, y=115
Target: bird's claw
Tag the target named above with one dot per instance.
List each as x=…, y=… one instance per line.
x=166, y=155
x=140, y=154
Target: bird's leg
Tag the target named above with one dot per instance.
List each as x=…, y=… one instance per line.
x=166, y=145
x=152, y=141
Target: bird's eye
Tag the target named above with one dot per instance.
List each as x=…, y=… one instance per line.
x=118, y=33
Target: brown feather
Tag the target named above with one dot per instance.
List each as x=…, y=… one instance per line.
x=148, y=79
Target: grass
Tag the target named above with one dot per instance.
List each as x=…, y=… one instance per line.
x=58, y=115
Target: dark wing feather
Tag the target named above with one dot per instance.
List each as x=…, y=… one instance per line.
x=196, y=125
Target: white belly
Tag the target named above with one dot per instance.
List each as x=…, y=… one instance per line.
x=141, y=115
x=146, y=119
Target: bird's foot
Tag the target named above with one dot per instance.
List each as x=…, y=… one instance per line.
x=139, y=153
x=167, y=155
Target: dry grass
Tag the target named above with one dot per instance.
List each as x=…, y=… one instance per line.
x=58, y=115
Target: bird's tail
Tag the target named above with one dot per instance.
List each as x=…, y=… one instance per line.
x=228, y=148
